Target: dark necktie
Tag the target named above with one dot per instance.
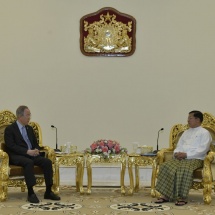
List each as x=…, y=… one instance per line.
x=25, y=136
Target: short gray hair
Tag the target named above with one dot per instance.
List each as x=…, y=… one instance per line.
x=20, y=110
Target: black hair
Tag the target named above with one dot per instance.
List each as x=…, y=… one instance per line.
x=197, y=114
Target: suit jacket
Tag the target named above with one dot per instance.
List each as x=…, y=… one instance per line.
x=15, y=144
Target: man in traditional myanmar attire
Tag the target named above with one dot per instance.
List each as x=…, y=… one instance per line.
x=175, y=176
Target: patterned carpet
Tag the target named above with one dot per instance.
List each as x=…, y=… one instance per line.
x=102, y=201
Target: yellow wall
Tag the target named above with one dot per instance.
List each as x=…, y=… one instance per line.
x=126, y=99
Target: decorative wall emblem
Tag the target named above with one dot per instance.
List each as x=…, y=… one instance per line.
x=107, y=32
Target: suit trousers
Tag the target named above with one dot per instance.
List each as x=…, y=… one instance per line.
x=28, y=162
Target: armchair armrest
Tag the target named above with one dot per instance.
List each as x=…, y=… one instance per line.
x=49, y=153
x=162, y=156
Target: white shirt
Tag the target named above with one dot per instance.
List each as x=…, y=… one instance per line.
x=195, y=142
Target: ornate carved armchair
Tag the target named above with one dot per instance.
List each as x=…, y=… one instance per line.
x=203, y=178
x=11, y=175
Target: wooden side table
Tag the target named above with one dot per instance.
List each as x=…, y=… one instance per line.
x=72, y=159
x=137, y=160
x=99, y=159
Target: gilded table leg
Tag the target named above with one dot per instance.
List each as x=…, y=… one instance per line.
x=79, y=179
x=77, y=173
x=130, y=171
x=136, y=189
x=89, y=177
x=153, y=179
x=56, y=179
x=122, y=175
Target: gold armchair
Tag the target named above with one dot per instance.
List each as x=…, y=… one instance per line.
x=202, y=177
x=11, y=175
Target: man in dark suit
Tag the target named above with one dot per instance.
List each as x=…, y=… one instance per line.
x=24, y=151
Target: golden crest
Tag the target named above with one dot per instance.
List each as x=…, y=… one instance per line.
x=107, y=36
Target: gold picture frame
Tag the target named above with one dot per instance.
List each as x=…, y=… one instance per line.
x=107, y=32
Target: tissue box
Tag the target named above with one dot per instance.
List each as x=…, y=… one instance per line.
x=146, y=149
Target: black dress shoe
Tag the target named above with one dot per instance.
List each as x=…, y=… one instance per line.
x=33, y=198
x=51, y=196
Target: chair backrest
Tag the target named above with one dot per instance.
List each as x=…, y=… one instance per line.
x=37, y=132
x=7, y=118
x=177, y=130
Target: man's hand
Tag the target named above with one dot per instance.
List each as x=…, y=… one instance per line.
x=33, y=152
x=180, y=155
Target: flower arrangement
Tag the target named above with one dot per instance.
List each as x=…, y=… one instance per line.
x=105, y=148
